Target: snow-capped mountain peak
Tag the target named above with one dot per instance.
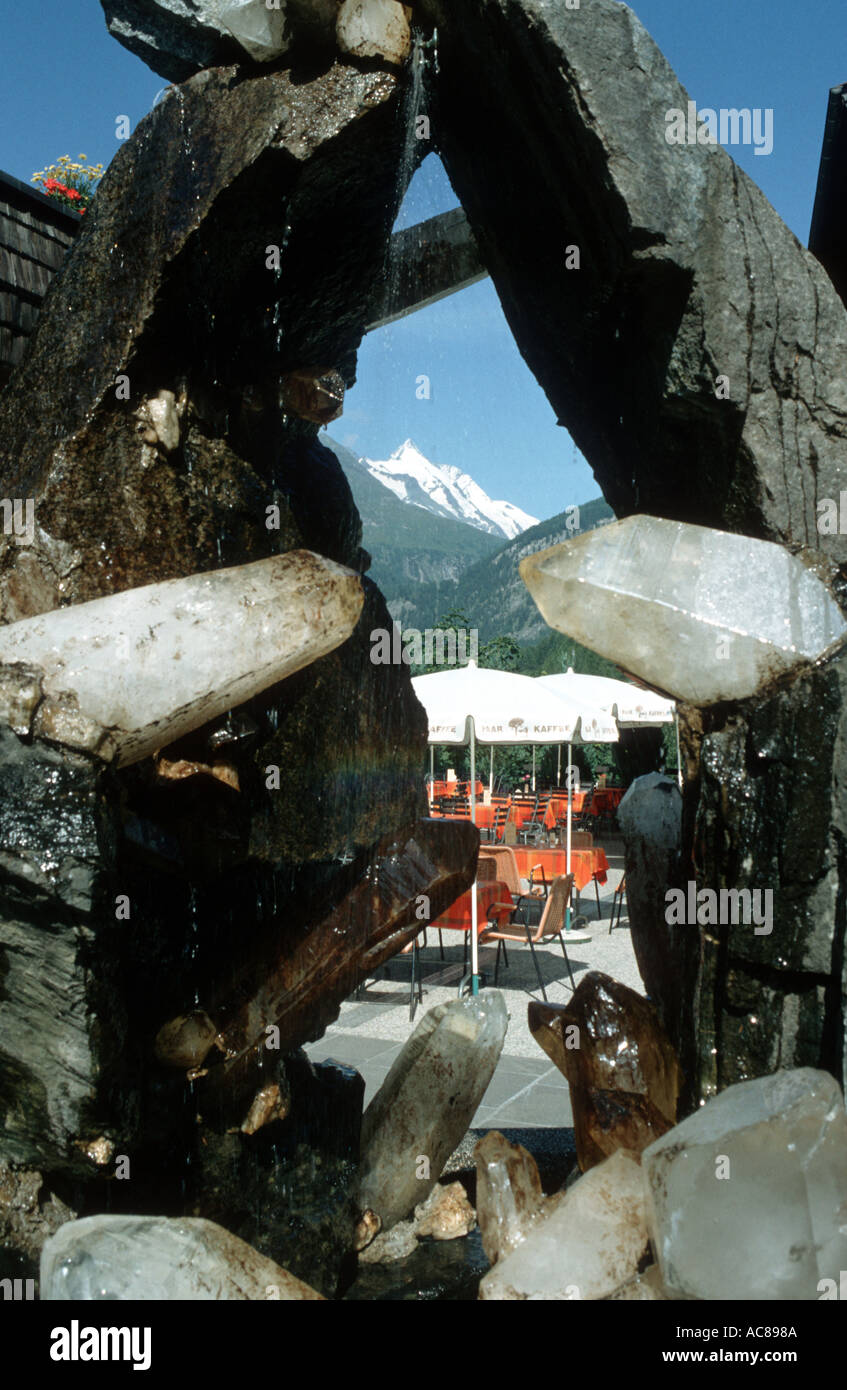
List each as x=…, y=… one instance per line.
x=447, y=491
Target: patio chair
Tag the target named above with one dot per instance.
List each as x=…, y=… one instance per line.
x=583, y=820
x=617, y=904
x=538, y=885
x=516, y=925
x=534, y=831
x=506, y=867
x=494, y=834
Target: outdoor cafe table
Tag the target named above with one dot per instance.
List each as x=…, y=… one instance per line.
x=458, y=916
x=586, y=864
x=518, y=815
x=484, y=815
x=559, y=805
x=606, y=800
x=459, y=788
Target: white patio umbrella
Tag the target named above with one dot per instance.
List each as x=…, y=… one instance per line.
x=630, y=706
x=467, y=705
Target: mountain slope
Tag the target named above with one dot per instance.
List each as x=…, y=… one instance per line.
x=411, y=548
x=427, y=564
x=491, y=593
x=445, y=491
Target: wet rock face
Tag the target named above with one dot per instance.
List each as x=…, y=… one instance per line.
x=771, y=820
x=686, y=272
x=29, y=1215
x=237, y=176
x=686, y=275
x=138, y=990
x=289, y=1188
x=177, y=38
x=158, y=359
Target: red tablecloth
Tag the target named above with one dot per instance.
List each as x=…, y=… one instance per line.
x=604, y=802
x=586, y=864
x=458, y=915
x=452, y=789
x=518, y=815
x=484, y=816
x=559, y=805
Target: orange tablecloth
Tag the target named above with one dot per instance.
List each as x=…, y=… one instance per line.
x=586, y=864
x=559, y=805
x=458, y=915
x=452, y=789
x=604, y=802
x=518, y=815
x=484, y=816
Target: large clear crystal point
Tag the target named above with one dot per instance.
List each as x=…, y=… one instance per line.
x=701, y=614
x=748, y=1196
x=424, y=1106
x=124, y=675
x=159, y=1257
x=508, y=1194
x=262, y=31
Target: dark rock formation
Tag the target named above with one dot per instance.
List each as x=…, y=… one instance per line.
x=175, y=39
x=116, y=917
x=168, y=290
x=240, y=885
x=686, y=274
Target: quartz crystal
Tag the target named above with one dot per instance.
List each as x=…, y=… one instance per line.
x=704, y=615
x=375, y=29
x=426, y=1102
x=621, y=1068
x=584, y=1244
x=748, y=1196
x=266, y=31
x=158, y=1257
x=508, y=1194
x=125, y=675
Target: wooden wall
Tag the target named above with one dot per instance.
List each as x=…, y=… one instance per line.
x=35, y=233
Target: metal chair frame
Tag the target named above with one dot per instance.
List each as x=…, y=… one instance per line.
x=551, y=923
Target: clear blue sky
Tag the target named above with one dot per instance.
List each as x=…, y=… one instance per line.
x=65, y=81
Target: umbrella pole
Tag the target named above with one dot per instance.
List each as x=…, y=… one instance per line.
x=491, y=772
x=474, y=940
x=559, y=766
x=533, y=767
x=568, y=858
x=678, y=758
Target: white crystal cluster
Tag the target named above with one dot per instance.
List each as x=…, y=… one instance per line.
x=745, y=1199
x=704, y=615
